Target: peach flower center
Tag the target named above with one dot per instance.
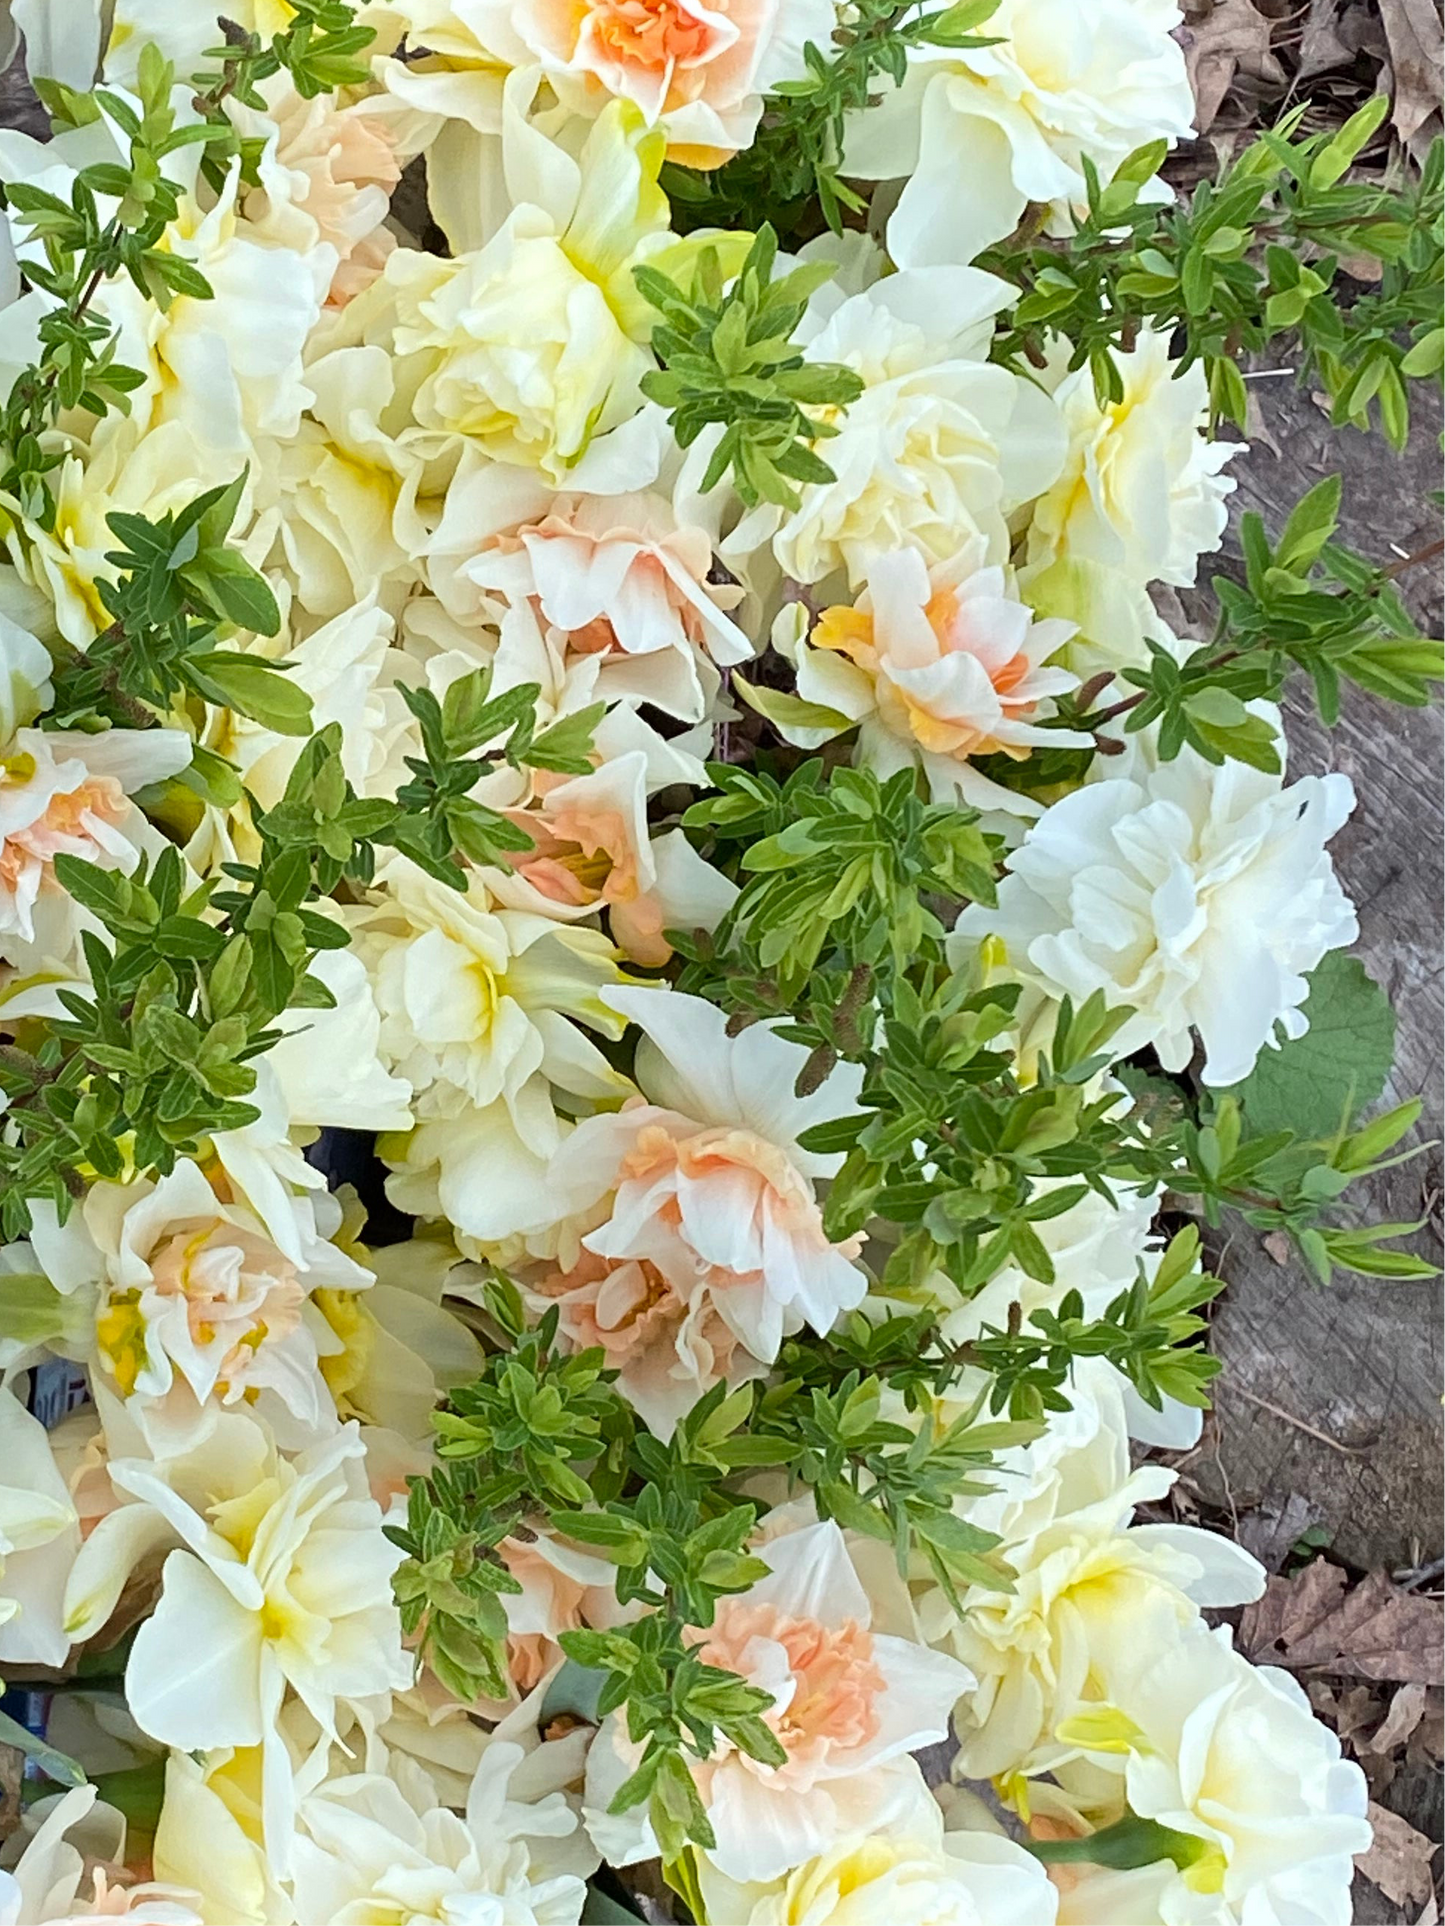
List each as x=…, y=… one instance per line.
x=236, y=1290
x=718, y=1152
x=620, y=1307
x=653, y=34
x=835, y=1677
x=850, y=632
x=64, y=828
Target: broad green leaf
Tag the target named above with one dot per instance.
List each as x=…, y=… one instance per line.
x=1343, y=1060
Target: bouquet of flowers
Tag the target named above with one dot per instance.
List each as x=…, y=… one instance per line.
x=630, y=950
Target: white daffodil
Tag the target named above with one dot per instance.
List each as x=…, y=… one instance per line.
x=1199, y=896
x=700, y=1187
x=1085, y=1579
x=934, y=667
x=328, y=1062
x=25, y=687
x=39, y=1537
x=282, y=1578
x=59, y=1881
x=1016, y=119
x=940, y=446
x=1141, y=489
x=913, y=1872
x=1193, y=1737
x=849, y=1704
x=381, y=1849
x=61, y=43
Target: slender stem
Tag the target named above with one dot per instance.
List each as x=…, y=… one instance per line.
x=1407, y=562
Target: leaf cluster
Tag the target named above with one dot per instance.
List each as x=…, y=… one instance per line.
x=317, y=51
x=438, y=817
x=729, y=362
x=178, y=586
x=1251, y=258
x=792, y=167
x=1307, y=604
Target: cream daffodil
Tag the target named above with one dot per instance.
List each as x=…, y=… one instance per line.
x=531, y=346
x=849, y=1704
x=1054, y=85
x=381, y=1850
x=60, y=1881
x=592, y=846
x=913, y=1872
x=1141, y=490
x=1085, y=1579
x=940, y=447
x=1230, y=1755
x=39, y=1537
x=196, y=1306
x=281, y=1579
x=478, y=1001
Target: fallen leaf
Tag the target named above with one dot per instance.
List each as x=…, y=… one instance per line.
x=1234, y=37
x=1321, y=46
x=1407, y=1708
x=1413, y=29
x=1276, y=1243
x=1291, y=1607
x=1375, y=1631
x=1399, y=1860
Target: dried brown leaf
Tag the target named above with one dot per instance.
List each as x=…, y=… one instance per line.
x=1413, y=29
x=1399, y=1860
x=1407, y=1708
x=1375, y=1631
x=1234, y=38
x=1291, y=1607
x=1321, y=46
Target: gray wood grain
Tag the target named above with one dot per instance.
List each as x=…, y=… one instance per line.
x=1359, y=1363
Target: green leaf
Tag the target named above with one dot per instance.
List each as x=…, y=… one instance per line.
x=792, y=712
x=1341, y=1063
x=56, y=1765
x=257, y=688
x=1128, y=1843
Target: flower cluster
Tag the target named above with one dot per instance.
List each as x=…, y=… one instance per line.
x=593, y=808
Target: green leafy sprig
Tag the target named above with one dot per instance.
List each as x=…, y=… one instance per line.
x=793, y=164
x=1251, y=258
x=1307, y=605
x=729, y=361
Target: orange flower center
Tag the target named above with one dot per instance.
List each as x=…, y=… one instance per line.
x=650, y=33
x=837, y=1681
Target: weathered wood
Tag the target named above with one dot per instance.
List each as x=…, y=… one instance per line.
x=1361, y=1362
